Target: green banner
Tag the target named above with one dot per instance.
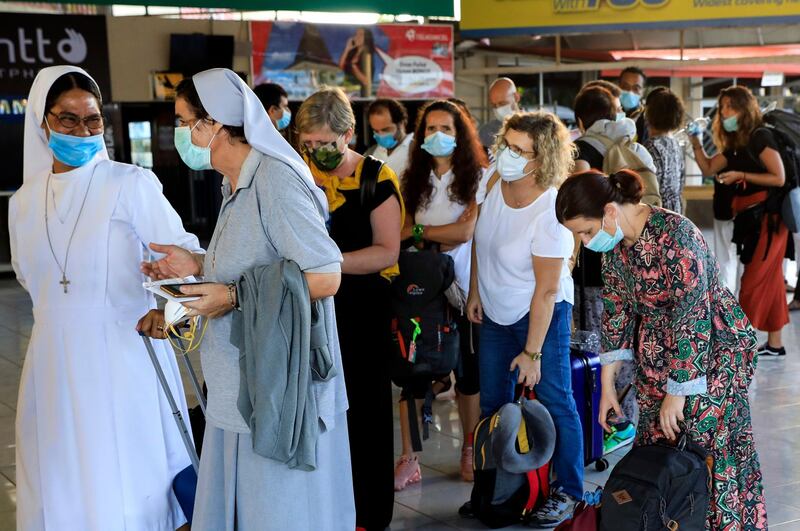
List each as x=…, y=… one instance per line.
x=427, y=8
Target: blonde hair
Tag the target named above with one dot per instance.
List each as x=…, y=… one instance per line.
x=552, y=144
x=328, y=106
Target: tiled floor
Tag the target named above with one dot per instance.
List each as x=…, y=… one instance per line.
x=433, y=504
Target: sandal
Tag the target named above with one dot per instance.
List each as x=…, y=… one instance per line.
x=794, y=305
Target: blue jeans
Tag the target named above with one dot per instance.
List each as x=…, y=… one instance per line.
x=499, y=345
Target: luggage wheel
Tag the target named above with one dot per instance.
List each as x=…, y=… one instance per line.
x=601, y=465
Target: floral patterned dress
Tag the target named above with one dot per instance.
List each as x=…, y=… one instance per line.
x=693, y=339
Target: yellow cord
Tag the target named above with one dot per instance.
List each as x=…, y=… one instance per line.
x=190, y=336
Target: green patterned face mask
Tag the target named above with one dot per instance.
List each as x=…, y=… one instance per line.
x=326, y=157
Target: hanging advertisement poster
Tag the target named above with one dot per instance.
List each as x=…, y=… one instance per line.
x=384, y=60
x=489, y=18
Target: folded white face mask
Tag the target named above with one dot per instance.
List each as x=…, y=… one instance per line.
x=504, y=112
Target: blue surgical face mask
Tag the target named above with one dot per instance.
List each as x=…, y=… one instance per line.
x=75, y=151
x=386, y=141
x=439, y=144
x=629, y=100
x=620, y=116
x=197, y=158
x=731, y=124
x=285, y=120
x=603, y=241
x=511, y=166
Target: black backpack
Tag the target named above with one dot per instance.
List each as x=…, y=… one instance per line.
x=425, y=335
x=785, y=200
x=530, y=490
x=659, y=487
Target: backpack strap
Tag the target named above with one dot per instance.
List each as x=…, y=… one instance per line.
x=370, y=170
x=492, y=181
x=607, y=143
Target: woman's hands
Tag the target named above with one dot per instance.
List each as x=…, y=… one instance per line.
x=474, y=307
x=177, y=263
x=609, y=403
x=671, y=414
x=214, y=300
x=153, y=325
x=530, y=372
x=730, y=177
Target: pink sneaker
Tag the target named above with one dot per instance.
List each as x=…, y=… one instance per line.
x=466, y=463
x=406, y=472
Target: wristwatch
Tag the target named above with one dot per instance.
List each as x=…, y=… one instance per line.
x=417, y=231
x=534, y=356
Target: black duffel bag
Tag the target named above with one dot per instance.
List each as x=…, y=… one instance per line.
x=659, y=487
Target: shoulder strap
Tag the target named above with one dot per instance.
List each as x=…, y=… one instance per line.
x=602, y=139
x=492, y=181
x=370, y=170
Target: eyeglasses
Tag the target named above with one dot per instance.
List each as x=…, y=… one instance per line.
x=516, y=152
x=70, y=121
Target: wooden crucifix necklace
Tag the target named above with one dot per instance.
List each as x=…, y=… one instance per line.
x=64, y=281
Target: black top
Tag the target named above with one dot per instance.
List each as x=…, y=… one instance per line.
x=748, y=160
x=642, y=133
x=745, y=160
x=351, y=229
x=588, y=268
x=350, y=225
x=589, y=154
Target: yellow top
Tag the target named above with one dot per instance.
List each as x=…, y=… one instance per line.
x=334, y=185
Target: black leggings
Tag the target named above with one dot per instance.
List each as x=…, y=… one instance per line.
x=467, y=376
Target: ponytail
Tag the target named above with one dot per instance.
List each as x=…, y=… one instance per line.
x=586, y=194
x=629, y=186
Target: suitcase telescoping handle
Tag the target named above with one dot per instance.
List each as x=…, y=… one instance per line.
x=176, y=411
x=198, y=391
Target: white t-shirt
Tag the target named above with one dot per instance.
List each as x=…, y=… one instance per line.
x=398, y=160
x=442, y=210
x=507, y=239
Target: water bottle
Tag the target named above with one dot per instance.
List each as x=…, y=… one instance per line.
x=697, y=126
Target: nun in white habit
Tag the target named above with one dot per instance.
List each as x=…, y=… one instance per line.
x=97, y=447
x=271, y=211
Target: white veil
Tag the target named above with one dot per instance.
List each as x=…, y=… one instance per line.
x=228, y=100
x=38, y=159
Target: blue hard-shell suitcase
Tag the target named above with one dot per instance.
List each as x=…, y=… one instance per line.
x=586, y=390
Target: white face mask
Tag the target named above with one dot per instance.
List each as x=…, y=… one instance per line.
x=503, y=112
x=511, y=166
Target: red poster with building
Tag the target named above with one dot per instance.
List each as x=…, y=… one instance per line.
x=384, y=60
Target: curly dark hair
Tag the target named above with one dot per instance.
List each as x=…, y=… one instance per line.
x=664, y=110
x=468, y=160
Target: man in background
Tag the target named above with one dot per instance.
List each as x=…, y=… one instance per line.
x=276, y=102
x=632, y=81
x=388, y=119
x=504, y=101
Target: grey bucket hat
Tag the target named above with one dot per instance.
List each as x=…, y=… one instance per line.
x=522, y=439
x=519, y=448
